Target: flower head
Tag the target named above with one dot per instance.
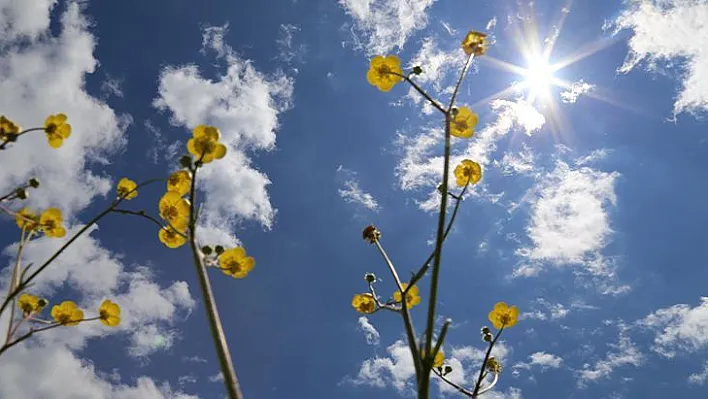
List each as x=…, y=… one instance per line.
x=439, y=359
x=127, y=189
x=179, y=182
x=235, y=263
x=30, y=304
x=475, y=43
x=171, y=238
x=57, y=130
x=467, y=172
x=371, y=234
x=27, y=219
x=493, y=365
x=109, y=313
x=364, y=303
x=51, y=222
x=8, y=129
x=463, y=123
x=503, y=316
x=205, y=145
x=175, y=209
x=412, y=297
x=67, y=313
x=384, y=72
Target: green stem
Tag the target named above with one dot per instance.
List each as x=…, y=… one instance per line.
x=478, y=385
x=217, y=331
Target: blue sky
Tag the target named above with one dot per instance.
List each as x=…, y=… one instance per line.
x=589, y=216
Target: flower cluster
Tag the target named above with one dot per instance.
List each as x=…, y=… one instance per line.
x=50, y=222
x=66, y=313
x=55, y=127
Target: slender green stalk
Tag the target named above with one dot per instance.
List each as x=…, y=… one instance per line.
x=13, y=283
x=407, y=322
x=217, y=331
x=478, y=385
x=6, y=141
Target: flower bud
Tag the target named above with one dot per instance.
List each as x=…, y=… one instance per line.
x=186, y=161
x=370, y=277
x=447, y=370
x=219, y=249
x=42, y=303
x=206, y=250
x=417, y=70
x=21, y=193
x=371, y=234
x=33, y=182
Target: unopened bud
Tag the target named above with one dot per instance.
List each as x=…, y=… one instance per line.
x=42, y=303
x=33, y=182
x=417, y=70
x=219, y=249
x=206, y=250
x=21, y=193
x=371, y=234
x=186, y=161
x=447, y=370
x=370, y=277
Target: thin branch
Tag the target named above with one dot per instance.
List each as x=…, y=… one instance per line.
x=459, y=388
x=7, y=140
x=153, y=219
x=478, y=385
x=422, y=92
x=465, y=68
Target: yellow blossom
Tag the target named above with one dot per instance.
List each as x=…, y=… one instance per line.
x=439, y=359
x=463, y=123
x=475, y=43
x=364, y=303
x=412, y=297
x=180, y=182
x=235, y=263
x=175, y=210
x=57, y=130
x=67, y=313
x=30, y=304
x=127, y=188
x=8, y=128
x=467, y=172
x=51, y=222
x=383, y=72
x=27, y=219
x=109, y=313
x=171, y=238
x=493, y=365
x=504, y=316
x=205, y=144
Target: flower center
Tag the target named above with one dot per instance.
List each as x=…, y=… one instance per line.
x=51, y=128
x=171, y=213
x=234, y=266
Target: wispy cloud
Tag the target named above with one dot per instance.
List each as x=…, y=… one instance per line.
x=575, y=90
x=625, y=353
x=352, y=193
x=670, y=30
x=540, y=360
x=372, y=335
x=382, y=26
x=679, y=328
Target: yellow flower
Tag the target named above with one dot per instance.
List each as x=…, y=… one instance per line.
x=467, y=172
x=7, y=128
x=475, y=42
x=171, y=238
x=109, y=313
x=462, y=125
x=27, y=218
x=179, y=182
x=493, y=365
x=439, y=359
x=504, y=316
x=30, y=304
x=175, y=209
x=205, y=144
x=382, y=72
x=412, y=297
x=364, y=303
x=67, y=313
x=57, y=130
x=235, y=263
x=127, y=188
x=51, y=221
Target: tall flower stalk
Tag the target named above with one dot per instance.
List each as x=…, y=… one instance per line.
x=426, y=351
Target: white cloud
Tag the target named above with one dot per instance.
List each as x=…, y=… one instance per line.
x=542, y=360
x=244, y=104
x=700, y=377
x=288, y=50
x=576, y=89
x=679, y=328
x=397, y=371
x=352, y=193
x=381, y=26
x=44, y=74
x=420, y=168
x=372, y=335
x=552, y=311
x=436, y=63
x=672, y=31
x=569, y=222
x=625, y=354
x=520, y=163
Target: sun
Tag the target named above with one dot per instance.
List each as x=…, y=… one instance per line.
x=538, y=79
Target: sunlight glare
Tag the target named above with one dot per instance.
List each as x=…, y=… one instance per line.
x=538, y=78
